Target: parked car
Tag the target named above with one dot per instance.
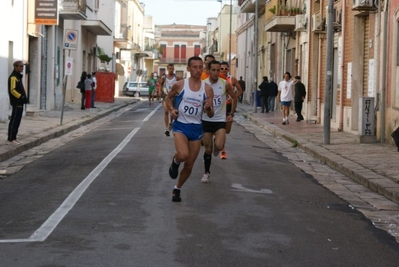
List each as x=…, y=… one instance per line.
x=132, y=88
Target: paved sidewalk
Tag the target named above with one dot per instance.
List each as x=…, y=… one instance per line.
x=372, y=165
x=37, y=129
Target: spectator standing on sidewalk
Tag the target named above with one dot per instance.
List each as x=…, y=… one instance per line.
x=299, y=97
x=18, y=99
x=88, y=91
x=93, y=94
x=242, y=84
x=285, y=94
x=264, y=94
x=82, y=89
x=273, y=93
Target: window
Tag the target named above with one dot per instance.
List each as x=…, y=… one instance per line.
x=177, y=53
x=163, y=49
x=183, y=52
x=197, y=50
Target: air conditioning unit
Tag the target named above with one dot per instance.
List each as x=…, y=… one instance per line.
x=363, y=5
x=300, y=23
x=317, y=23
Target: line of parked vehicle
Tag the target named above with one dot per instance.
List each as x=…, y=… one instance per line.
x=136, y=89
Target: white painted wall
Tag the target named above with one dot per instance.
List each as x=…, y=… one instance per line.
x=14, y=30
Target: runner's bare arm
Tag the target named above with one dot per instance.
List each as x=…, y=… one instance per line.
x=175, y=90
x=232, y=94
x=208, y=107
x=237, y=85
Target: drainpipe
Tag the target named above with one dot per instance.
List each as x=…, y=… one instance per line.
x=341, y=92
x=318, y=113
x=384, y=72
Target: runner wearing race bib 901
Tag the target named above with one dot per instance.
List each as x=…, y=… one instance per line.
x=166, y=85
x=193, y=97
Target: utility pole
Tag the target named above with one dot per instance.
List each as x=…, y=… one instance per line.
x=231, y=22
x=329, y=67
x=255, y=109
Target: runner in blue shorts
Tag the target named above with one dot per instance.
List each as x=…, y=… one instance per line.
x=192, y=97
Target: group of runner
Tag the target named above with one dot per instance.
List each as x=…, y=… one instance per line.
x=201, y=108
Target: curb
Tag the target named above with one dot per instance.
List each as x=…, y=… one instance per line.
x=58, y=131
x=366, y=177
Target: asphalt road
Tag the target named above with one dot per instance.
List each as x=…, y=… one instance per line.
x=104, y=199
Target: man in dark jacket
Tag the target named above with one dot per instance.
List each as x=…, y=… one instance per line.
x=17, y=96
x=264, y=94
x=299, y=97
x=242, y=84
x=273, y=93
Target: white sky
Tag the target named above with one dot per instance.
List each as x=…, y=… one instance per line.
x=191, y=12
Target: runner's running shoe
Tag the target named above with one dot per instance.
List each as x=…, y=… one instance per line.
x=174, y=169
x=223, y=155
x=176, y=195
x=206, y=178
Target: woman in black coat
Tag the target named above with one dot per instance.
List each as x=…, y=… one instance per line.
x=82, y=88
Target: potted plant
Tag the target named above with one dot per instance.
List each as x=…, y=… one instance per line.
x=273, y=10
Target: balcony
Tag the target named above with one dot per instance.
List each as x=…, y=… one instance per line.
x=73, y=9
x=248, y=6
x=279, y=17
x=124, y=39
x=173, y=60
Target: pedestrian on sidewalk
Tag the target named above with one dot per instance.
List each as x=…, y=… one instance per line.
x=264, y=94
x=88, y=91
x=82, y=89
x=285, y=94
x=93, y=92
x=18, y=99
x=300, y=93
x=193, y=96
x=273, y=93
x=242, y=84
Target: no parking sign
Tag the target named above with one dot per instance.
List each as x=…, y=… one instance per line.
x=70, y=39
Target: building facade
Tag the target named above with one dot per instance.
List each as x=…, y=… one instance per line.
x=177, y=43
x=292, y=36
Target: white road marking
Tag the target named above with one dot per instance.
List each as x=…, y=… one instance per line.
x=52, y=222
x=240, y=188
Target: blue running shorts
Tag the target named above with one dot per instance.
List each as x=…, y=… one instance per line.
x=192, y=131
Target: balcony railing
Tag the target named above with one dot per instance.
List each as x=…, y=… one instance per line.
x=73, y=9
x=173, y=60
x=280, y=17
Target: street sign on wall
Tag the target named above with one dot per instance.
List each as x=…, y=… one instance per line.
x=70, y=39
x=46, y=12
x=68, y=66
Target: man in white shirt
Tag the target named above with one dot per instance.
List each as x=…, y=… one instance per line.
x=285, y=94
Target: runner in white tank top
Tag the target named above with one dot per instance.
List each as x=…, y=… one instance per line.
x=192, y=98
x=167, y=81
x=215, y=128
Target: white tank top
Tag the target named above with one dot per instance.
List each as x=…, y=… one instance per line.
x=219, y=101
x=167, y=85
x=190, y=104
